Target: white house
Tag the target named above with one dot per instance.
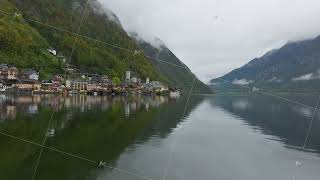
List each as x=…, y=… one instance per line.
x=52, y=51
x=128, y=75
x=32, y=74
x=156, y=85
x=134, y=80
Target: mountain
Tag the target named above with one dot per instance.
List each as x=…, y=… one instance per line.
x=170, y=66
x=29, y=27
x=295, y=66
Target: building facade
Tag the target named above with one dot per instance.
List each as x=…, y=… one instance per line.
x=9, y=73
x=77, y=85
x=128, y=75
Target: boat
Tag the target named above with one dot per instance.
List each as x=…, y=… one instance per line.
x=95, y=93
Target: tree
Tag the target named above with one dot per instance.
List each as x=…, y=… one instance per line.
x=116, y=80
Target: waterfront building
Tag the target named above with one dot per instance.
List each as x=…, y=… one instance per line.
x=53, y=85
x=28, y=86
x=3, y=87
x=105, y=79
x=77, y=85
x=128, y=76
x=31, y=74
x=8, y=73
x=156, y=85
x=3, y=66
x=93, y=87
x=134, y=80
x=46, y=85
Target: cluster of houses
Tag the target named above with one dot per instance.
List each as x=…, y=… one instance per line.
x=11, y=78
x=97, y=84
x=28, y=80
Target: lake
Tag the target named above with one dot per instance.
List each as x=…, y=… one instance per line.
x=224, y=136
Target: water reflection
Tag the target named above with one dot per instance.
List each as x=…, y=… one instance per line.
x=95, y=127
x=10, y=105
x=289, y=122
x=255, y=137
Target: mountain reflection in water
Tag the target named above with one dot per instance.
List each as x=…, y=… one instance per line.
x=99, y=128
x=227, y=136
x=287, y=121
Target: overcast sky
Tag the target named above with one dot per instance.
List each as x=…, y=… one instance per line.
x=213, y=37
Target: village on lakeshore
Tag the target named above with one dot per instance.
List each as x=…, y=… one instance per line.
x=28, y=81
x=24, y=81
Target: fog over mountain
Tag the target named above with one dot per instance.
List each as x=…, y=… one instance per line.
x=213, y=37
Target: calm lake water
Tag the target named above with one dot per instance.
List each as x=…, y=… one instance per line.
x=221, y=137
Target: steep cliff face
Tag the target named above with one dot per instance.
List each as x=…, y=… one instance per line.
x=296, y=65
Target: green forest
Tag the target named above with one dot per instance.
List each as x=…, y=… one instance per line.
x=24, y=41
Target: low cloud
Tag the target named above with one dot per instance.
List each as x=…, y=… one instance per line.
x=307, y=77
x=275, y=79
x=214, y=37
x=242, y=81
x=101, y=9
x=154, y=41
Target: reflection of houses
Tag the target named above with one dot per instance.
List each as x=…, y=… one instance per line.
x=27, y=100
x=11, y=111
x=127, y=109
x=3, y=87
x=8, y=111
x=32, y=108
x=11, y=105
